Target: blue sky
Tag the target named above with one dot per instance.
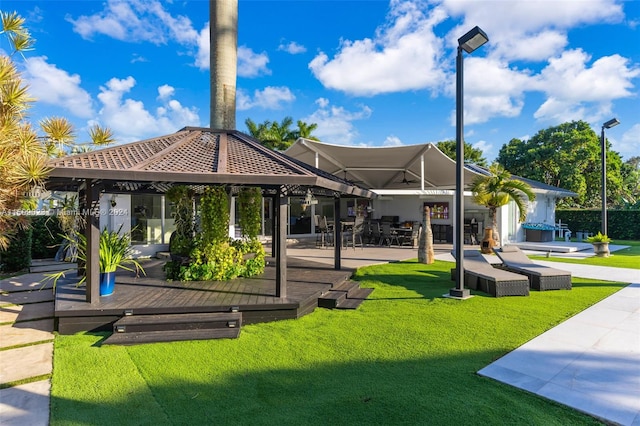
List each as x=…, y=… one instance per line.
x=368, y=72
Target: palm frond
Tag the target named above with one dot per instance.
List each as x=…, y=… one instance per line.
x=101, y=135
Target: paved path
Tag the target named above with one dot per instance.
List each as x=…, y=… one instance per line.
x=26, y=349
x=591, y=362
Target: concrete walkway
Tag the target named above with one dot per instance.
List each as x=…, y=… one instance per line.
x=26, y=349
x=589, y=362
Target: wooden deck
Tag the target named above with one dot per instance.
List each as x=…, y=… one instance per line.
x=254, y=297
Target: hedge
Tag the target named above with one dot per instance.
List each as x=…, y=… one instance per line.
x=17, y=257
x=621, y=224
x=46, y=237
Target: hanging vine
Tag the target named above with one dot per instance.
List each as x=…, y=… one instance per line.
x=181, y=242
x=214, y=210
x=249, y=209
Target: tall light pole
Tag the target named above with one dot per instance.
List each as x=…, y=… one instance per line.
x=603, y=147
x=468, y=42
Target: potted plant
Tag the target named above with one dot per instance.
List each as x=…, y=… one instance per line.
x=114, y=253
x=600, y=244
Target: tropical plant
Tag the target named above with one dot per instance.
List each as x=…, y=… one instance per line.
x=115, y=252
x=471, y=154
x=497, y=189
x=599, y=238
x=23, y=153
x=22, y=158
x=279, y=136
x=250, y=206
x=181, y=242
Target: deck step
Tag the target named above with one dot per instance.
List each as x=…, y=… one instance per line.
x=135, y=329
x=331, y=299
x=167, y=322
x=51, y=266
x=347, y=295
x=140, y=337
x=350, y=304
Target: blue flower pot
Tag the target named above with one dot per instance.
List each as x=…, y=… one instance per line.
x=107, y=283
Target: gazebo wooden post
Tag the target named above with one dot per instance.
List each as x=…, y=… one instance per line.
x=91, y=215
x=281, y=241
x=337, y=234
x=274, y=224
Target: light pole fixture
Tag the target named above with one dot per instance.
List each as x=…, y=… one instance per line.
x=603, y=148
x=468, y=42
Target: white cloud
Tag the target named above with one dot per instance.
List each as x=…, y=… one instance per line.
x=392, y=140
x=137, y=21
x=292, y=47
x=526, y=29
x=576, y=91
x=52, y=85
x=129, y=118
x=203, y=52
x=251, y=64
x=268, y=98
x=629, y=145
x=492, y=89
x=404, y=55
x=165, y=91
x=335, y=124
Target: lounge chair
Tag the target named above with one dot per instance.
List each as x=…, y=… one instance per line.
x=480, y=275
x=541, y=277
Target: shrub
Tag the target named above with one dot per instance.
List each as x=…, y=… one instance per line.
x=18, y=255
x=46, y=238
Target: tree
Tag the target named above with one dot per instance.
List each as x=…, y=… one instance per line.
x=471, y=154
x=23, y=153
x=497, y=189
x=629, y=198
x=223, y=21
x=305, y=130
x=22, y=157
x=566, y=156
x=279, y=136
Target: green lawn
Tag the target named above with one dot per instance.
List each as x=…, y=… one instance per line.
x=625, y=258
x=406, y=356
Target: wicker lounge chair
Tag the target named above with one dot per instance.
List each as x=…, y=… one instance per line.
x=541, y=277
x=480, y=275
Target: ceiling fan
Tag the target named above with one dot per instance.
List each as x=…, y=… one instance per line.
x=405, y=180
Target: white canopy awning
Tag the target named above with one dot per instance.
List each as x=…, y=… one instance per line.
x=417, y=167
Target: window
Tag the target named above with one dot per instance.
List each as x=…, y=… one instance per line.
x=151, y=219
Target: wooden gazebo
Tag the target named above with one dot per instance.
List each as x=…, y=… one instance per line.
x=195, y=157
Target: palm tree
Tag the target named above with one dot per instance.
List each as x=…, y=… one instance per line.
x=24, y=154
x=273, y=135
x=498, y=189
x=22, y=157
x=223, y=22
x=305, y=130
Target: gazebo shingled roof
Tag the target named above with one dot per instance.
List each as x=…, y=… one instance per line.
x=197, y=156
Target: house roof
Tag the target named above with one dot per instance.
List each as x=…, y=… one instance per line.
x=383, y=168
x=195, y=156
x=535, y=185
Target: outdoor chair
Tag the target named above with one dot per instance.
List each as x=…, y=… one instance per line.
x=325, y=233
x=351, y=237
x=413, y=238
x=541, y=277
x=376, y=233
x=387, y=235
x=480, y=275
